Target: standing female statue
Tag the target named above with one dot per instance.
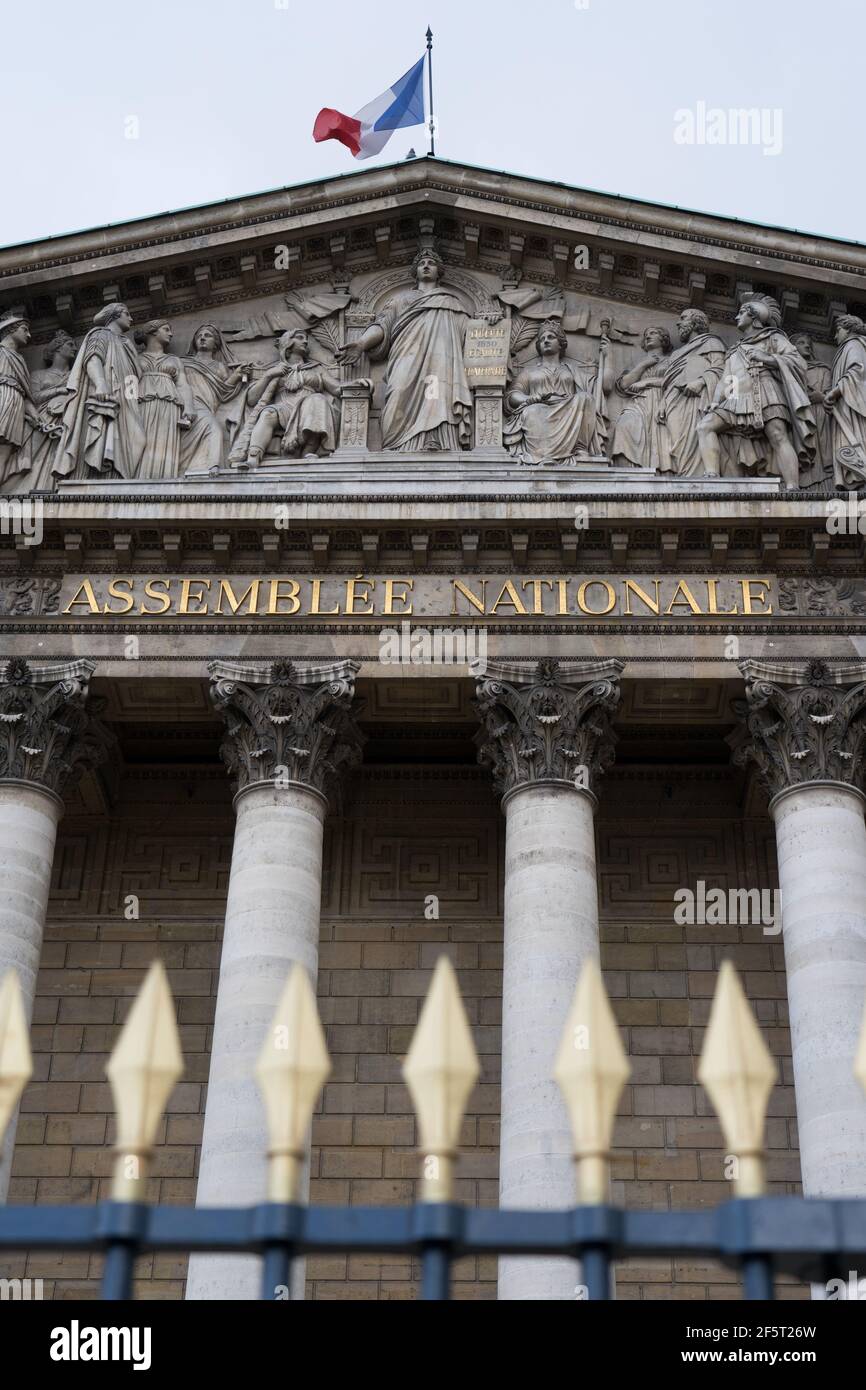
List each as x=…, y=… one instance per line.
x=428, y=401
x=846, y=400
x=639, y=439
x=102, y=429
x=214, y=378
x=555, y=405
x=166, y=400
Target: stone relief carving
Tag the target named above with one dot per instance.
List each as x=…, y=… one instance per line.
x=818, y=379
x=165, y=400
x=428, y=402
x=761, y=403
x=49, y=730
x=295, y=397
x=17, y=406
x=846, y=400
x=802, y=724
x=689, y=379
x=216, y=383
x=103, y=432
x=290, y=724
x=109, y=411
x=556, y=409
x=639, y=436
x=552, y=723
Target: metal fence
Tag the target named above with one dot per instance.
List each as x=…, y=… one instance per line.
x=760, y=1236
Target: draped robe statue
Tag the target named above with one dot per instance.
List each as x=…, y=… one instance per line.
x=846, y=399
x=17, y=406
x=102, y=426
x=553, y=404
x=689, y=379
x=639, y=439
x=428, y=400
x=215, y=379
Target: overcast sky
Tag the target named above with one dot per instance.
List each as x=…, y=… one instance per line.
x=222, y=94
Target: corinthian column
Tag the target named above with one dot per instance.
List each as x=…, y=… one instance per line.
x=804, y=726
x=547, y=737
x=47, y=738
x=288, y=734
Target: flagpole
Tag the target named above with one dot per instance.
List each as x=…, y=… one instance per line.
x=430, y=80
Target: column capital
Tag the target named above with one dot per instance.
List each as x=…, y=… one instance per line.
x=802, y=722
x=50, y=731
x=287, y=723
x=547, y=721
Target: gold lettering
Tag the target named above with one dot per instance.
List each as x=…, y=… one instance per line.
x=251, y=592
x=749, y=598
x=114, y=592
x=315, y=610
x=514, y=600
x=479, y=603
x=596, y=612
x=391, y=597
x=631, y=587
x=186, y=595
x=88, y=601
x=562, y=610
x=277, y=596
x=688, y=600
x=714, y=602
x=537, y=586
x=352, y=597
x=150, y=591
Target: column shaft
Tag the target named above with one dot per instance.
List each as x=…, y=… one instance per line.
x=272, y=920
x=551, y=927
x=29, y=815
x=821, y=843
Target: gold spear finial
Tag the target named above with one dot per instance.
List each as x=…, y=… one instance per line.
x=143, y=1069
x=293, y=1067
x=591, y=1070
x=859, y=1060
x=738, y=1073
x=440, y=1071
x=16, y=1063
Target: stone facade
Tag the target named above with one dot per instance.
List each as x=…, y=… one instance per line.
x=432, y=560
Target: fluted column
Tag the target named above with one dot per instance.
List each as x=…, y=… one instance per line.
x=288, y=734
x=547, y=737
x=803, y=729
x=47, y=738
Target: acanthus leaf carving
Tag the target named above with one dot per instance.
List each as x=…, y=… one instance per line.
x=548, y=723
x=802, y=725
x=288, y=725
x=50, y=732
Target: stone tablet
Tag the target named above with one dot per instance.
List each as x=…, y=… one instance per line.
x=486, y=352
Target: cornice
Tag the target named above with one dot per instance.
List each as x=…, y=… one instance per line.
x=500, y=190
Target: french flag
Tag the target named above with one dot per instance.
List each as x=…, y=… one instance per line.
x=369, y=130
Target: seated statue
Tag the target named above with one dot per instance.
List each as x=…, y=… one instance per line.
x=639, y=438
x=555, y=404
x=295, y=397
